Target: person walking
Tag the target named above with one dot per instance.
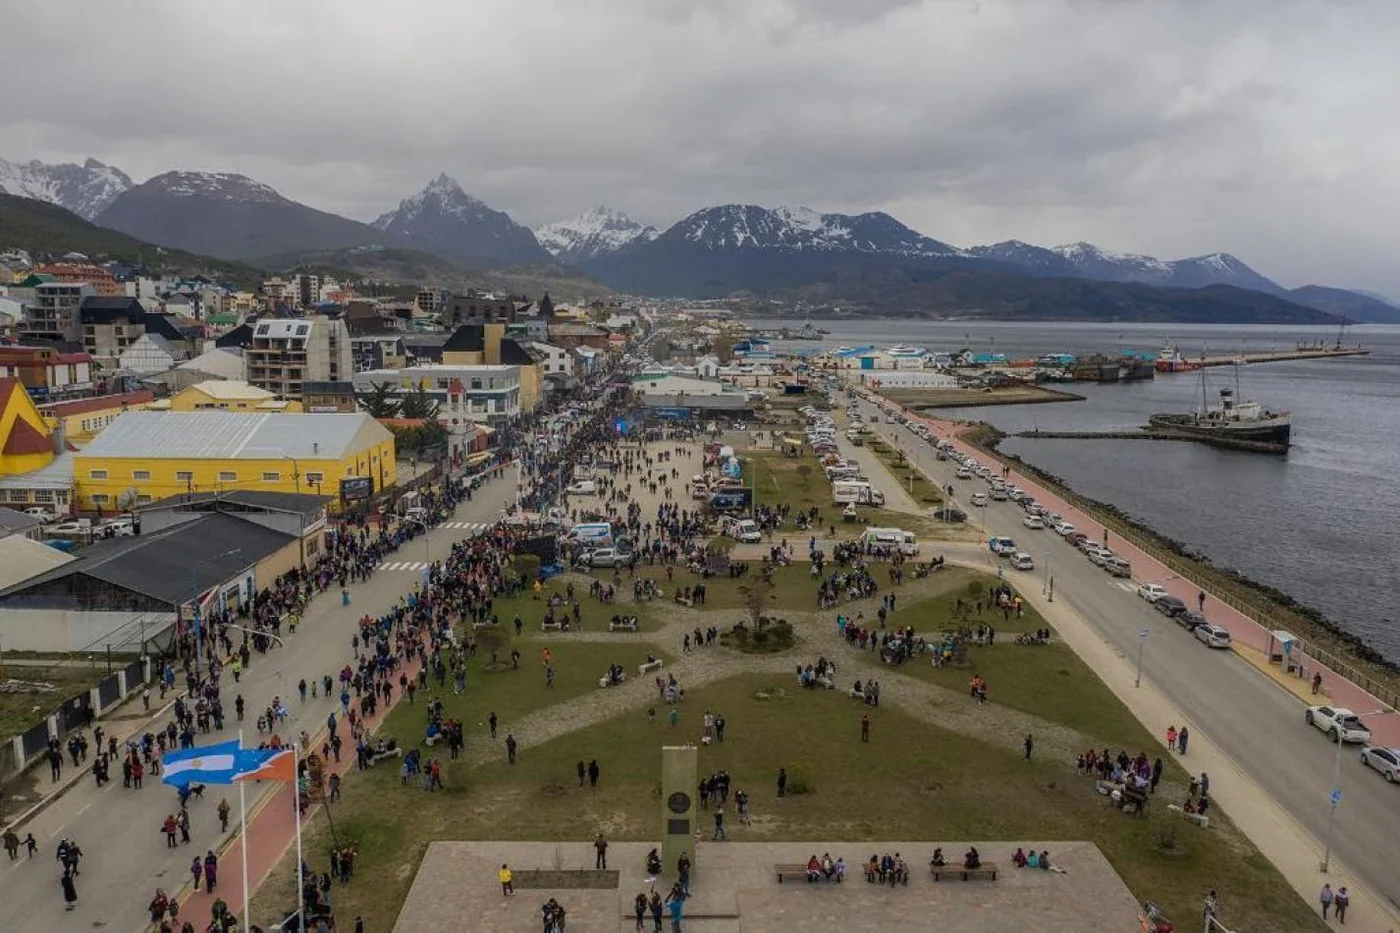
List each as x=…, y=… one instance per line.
x=600, y=858
x=582, y=773
x=639, y=906
x=593, y=772
x=211, y=871
x=1325, y=897
x=782, y=782
x=719, y=823
x=197, y=871
x=507, y=879
x=12, y=844
x=1181, y=740
x=491, y=724
x=1341, y=901
x=1029, y=744
x=657, y=909
x=510, y=747
x=223, y=815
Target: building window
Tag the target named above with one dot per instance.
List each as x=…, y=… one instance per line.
x=43, y=495
x=101, y=499
x=140, y=475
x=315, y=479
x=143, y=500
x=228, y=476
x=19, y=495
x=184, y=476
x=272, y=477
x=97, y=474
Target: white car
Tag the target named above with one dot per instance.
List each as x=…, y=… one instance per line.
x=1337, y=722
x=1098, y=554
x=979, y=499
x=1384, y=760
x=582, y=488
x=963, y=473
x=1033, y=521
x=1022, y=561
x=41, y=513
x=1063, y=528
x=1152, y=591
x=1214, y=636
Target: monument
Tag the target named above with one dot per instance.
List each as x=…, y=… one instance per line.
x=679, y=778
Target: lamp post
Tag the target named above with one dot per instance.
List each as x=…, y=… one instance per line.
x=194, y=581
x=1336, y=796
x=427, y=553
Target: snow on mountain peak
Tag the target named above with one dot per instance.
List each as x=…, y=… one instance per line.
x=596, y=232
x=748, y=226
x=218, y=186
x=83, y=189
x=444, y=195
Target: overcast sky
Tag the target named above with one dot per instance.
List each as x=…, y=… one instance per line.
x=1265, y=128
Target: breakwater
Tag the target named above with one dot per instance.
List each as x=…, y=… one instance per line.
x=1157, y=434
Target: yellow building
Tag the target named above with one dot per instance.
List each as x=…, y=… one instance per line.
x=226, y=395
x=82, y=419
x=26, y=443
x=488, y=345
x=145, y=456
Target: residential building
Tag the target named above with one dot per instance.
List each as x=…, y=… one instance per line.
x=487, y=345
x=306, y=291
x=285, y=354
x=377, y=351
x=78, y=421
x=27, y=446
x=476, y=308
x=554, y=360
x=149, y=354
x=329, y=397
x=145, y=456
x=17, y=524
x=101, y=280
x=465, y=393
x=579, y=335
x=430, y=301
x=45, y=372
x=225, y=395
x=111, y=325
x=54, y=313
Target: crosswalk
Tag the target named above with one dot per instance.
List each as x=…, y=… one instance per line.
x=413, y=565
x=475, y=528
x=467, y=530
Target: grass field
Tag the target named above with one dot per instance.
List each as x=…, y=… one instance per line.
x=20, y=711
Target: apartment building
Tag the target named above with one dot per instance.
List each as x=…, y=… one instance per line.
x=54, y=314
x=464, y=393
x=101, y=280
x=284, y=355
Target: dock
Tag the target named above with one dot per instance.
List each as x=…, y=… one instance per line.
x=1300, y=353
x=1155, y=434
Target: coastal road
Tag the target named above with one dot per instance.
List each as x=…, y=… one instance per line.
x=1258, y=723
x=118, y=829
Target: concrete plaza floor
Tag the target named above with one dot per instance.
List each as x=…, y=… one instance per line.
x=734, y=890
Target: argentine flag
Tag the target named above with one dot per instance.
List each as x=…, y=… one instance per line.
x=213, y=764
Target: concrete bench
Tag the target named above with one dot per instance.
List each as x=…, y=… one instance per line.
x=985, y=870
x=604, y=681
x=482, y=625
x=796, y=870
x=624, y=625
x=376, y=758
x=552, y=627
x=646, y=667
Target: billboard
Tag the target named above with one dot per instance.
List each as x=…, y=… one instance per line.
x=356, y=488
x=732, y=500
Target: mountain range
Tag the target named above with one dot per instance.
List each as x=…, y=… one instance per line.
x=861, y=263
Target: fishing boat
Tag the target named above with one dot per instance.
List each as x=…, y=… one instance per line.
x=1231, y=422
x=1170, y=360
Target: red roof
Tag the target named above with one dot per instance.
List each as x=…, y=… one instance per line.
x=26, y=439
x=99, y=403
x=71, y=358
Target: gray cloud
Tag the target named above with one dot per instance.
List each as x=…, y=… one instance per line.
x=1261, y=127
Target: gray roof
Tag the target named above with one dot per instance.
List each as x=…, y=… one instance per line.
x=709, y=402
x=228, y=435
x=308, y=505
x=22, y=559
x=14, y=520
x=162, y=564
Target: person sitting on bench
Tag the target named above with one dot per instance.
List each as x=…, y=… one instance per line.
x=653, y=863
x=1019, y=859
x=872, y=870
x=887, y=868
x=937, y=861
x=828, y=866
x=972, y=859
x=1044, y=859
x=814, y=869
x=839, y=869
x=899, y=871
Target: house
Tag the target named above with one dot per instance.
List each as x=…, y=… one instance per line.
x=554, y=360
x=579, y=335
x=487, y=345
x=17, y=524
x=112, y=324
x=224, y=395
x=329, y=397
x=53, y=314
x=45, y=372
x=150, y=353
x=145, y=456
x=33, y=470
x=101, y=280
x=476, y=308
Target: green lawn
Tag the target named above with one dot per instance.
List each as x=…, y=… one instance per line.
x=912, y=781
x=20, y=711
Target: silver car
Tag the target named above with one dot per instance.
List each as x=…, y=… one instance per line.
x=1384, y=760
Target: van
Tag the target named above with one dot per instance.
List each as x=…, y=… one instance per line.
x=592, y=532
x=905, y=541
x=854, y=490
x=1022, y=561
x=1118, y=567
x=744, y=530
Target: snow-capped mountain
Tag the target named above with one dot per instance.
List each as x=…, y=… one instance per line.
x=229, y=216
x=596, y=232
x=1087, y=261
x=748, y=226
x=83, y=189
x=1036, y=260
x=444, y=220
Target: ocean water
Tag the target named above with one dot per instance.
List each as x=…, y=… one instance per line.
x=1321, y=524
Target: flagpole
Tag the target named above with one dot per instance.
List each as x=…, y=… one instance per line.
x=296, y=804
x=243, y=824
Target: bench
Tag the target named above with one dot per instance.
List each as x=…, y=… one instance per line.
x=855, y=694
x=623, y=625
x=900, y=877
x=985, y=870
x=605, y=681
x=647, y=667
x=553, y=627
x=796, y=870
x=376, y=758
x=482, y=625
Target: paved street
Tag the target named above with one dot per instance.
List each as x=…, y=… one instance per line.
x=119, y=829
x=1257, y=723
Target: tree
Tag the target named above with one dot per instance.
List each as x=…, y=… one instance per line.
x=723, y=348
x=379, y=401
x=546, y=307
x=417, y=404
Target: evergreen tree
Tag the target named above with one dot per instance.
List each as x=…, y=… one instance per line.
x=379, y=401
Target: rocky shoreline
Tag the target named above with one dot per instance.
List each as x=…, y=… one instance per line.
x=1309, y=623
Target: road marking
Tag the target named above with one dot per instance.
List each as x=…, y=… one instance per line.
x=81, y=810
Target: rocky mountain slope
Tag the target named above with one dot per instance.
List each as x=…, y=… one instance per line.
x=85, y=189
x=444, y=220
x=600, y=231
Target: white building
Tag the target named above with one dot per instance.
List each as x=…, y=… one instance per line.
x=465, y=393
x=554, y=359
x=149, y=353
x=285, y=354
x=908, y=379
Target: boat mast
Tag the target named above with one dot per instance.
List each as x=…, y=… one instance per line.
x=1205, y=403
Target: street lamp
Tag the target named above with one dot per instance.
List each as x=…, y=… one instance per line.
x=194, y=581
x=1336, y=796
x=427, y=553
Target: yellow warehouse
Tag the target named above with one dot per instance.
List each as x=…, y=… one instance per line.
x=145, y=456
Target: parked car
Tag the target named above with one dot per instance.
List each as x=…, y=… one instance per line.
x=1022, y=561
x=950, y=514
x=1169, y=606
x=1190, y=619
x=1337, y=722
x=1152, y=591
x=41, y=513
x=1076, y=538
x=963, y=473
x=1063, y=527
x=608, y=557
x=1213, y=636
x=979, y=499
x=1118, y=567
x=582, y=488
x=1384, y=760
x=1033, y=521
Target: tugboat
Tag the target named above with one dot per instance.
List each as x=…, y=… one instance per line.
x=1231, y=422
x=1170, y=360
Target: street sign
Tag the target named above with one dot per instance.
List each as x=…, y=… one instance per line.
x=1336, y=797
x=1142, y=636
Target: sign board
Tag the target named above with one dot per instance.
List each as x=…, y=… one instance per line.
x=732, y=500
x=356, y=488
x=1142, y=636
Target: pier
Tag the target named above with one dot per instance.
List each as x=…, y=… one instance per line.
x=1298, y=353
x=1156, y=434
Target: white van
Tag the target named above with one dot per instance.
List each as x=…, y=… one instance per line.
x=744, y=530
x=891, y=537
x=844, y=491
x=592, y=532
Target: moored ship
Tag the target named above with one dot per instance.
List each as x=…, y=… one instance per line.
x=1231, y=422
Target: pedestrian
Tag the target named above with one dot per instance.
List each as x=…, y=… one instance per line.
x=507, y=880
x=1181, y=740
x=70, y=891
x=782, y=782
x=1029, y=744
x=510, y=748
x=1205, y=784
x=197, y=871
x=1171, y=737
x=1201, y=602
x=1156, y=775
x=865, y=728
x=1325, y=897
x=675, y=717
x=582, y=772
x=11, y=844
x=639, y=906
x=491, y=721
x=677, y=907
x=593, y=772
x=184, y=826
x=31, y=844
x=719, y=823
x=656, y=909
x=600, y=849
x=1316, y=684
x=1341, y=901
x=223, y=815
x=211, y=871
